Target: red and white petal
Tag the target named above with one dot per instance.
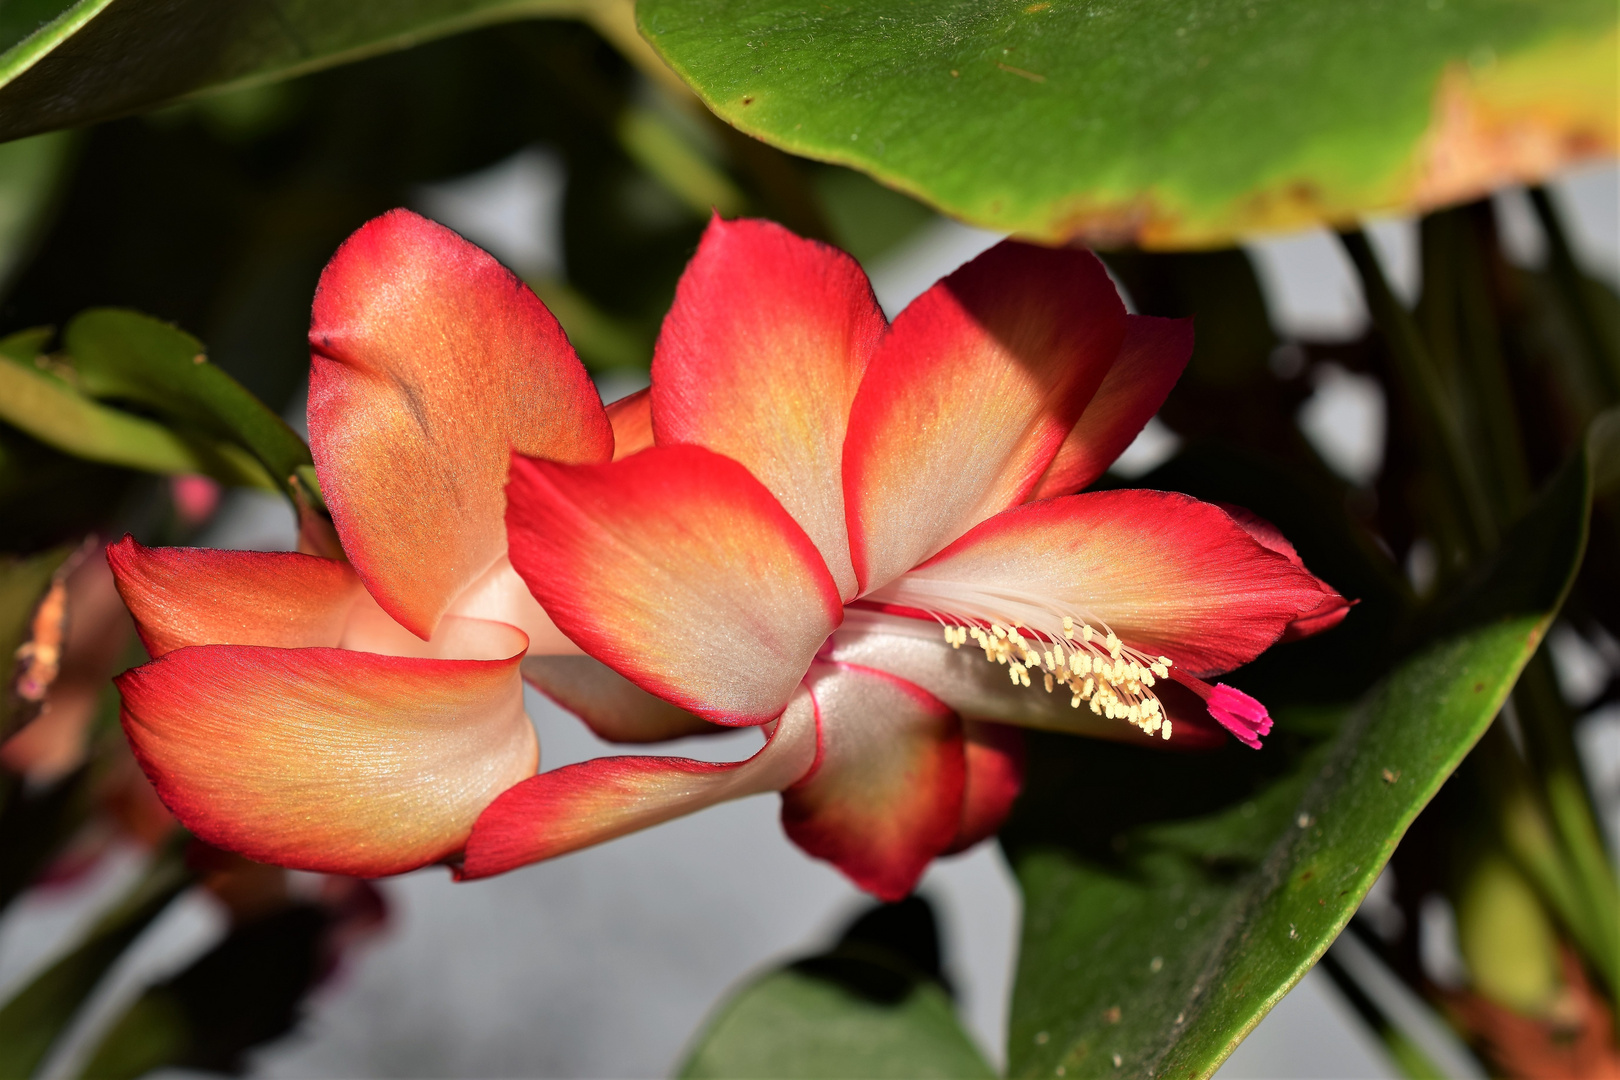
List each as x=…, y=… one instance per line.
x=1167, y=573
x=501, y=596
x=1150, y=360
x=330, y=760
x=202, y=596
x=631, y=417
x=995, y=775
x=612, y=706
x=759, y=360
x=963, y=679
x=886, y=794
x=577, y=806
x=431, y=362
x=677, y=569
x=1332, y=609
x=968, y=398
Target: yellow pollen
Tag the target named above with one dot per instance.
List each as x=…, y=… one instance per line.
x=1092, y=664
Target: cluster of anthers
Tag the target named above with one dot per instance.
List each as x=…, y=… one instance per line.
x=1117, y=681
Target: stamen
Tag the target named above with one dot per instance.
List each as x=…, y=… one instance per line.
x=1027, y=633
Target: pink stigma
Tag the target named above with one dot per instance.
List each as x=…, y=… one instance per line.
x=1240, y=714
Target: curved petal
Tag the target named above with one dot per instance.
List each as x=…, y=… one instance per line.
x=501, y=596
x=1167, y=573
x=759, y=360
x=201, y=596
x=1150, y=360
x=995, y=775
x=580, y=805
x=886, y=794
x=612, y=706
x=330, y=760
x=677, y=569
x=631, y=417
x=964, y=680
x=1326, y=615
x=431, y=361
x=971, y=393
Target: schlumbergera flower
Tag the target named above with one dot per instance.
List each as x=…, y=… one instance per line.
x=861, y=538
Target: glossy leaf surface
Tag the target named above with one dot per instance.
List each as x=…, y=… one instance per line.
x=1171, y=124
x=30, y=171
x=127, y=356
x=1171, y=902
x=875, y=1005
x=36, y=398
x=67, y=64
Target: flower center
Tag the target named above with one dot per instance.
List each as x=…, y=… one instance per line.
x=1094, y=666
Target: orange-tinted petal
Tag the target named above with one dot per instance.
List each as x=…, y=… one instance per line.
x=971, y=393
x=1167, y=573
x=330, y=760
x=677, y=569
x=886, y=793
x=1150, y=360
x=612, y=706
x=759, y=359
x=431, y=362
x=201, y=596
x=580, y=805
x=631, y=417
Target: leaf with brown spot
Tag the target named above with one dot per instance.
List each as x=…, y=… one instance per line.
x=1169, y=124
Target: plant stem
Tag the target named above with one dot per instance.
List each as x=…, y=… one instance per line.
x=1527, y=833
x=1481, y=363
x=1572, y=284
x=1421, y=383
x=1553, y=756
